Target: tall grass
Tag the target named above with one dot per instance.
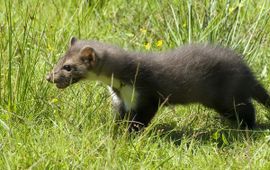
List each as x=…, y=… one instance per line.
x=43, y=127
x=9, y=83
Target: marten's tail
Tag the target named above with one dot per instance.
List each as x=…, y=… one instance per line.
x=261, y=95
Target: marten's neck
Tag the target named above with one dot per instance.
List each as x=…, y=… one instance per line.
x=115, y=68
x=118, y=70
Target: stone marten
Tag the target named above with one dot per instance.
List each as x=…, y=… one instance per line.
x=214, y=76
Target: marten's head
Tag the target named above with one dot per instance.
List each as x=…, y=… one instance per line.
x=74, y=65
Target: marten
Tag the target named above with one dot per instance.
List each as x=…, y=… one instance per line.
x=213, y=76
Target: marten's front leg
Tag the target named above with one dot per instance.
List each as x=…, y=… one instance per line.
x=142, y=114
x=118, y=105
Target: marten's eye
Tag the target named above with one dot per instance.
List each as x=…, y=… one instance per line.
x=67, y=67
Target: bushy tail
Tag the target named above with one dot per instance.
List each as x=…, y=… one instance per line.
x=261, y=95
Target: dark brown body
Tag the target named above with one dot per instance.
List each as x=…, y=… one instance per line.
x=213, y=76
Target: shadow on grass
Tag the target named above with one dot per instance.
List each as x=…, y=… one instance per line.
x=263, y=126
x=205, y=135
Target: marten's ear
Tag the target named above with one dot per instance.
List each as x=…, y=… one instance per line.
x=88, y=56
x=73, y=40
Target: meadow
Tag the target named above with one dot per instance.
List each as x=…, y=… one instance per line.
x=42, y=127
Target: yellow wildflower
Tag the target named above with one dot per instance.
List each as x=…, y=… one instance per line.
x=143, y=30
x=159, y=43
x=50, y=48
x=185, y=25
x=231, y=9
x=54, y=100
x=147, y=46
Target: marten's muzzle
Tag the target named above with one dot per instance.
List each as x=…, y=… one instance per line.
x=61, y=81
x=49, y=78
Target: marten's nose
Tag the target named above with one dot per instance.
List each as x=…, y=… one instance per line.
x=48, y=78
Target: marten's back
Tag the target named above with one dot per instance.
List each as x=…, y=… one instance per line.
x=195, y=73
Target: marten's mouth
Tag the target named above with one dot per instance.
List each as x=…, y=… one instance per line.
x=65, y=84
x=61, y=85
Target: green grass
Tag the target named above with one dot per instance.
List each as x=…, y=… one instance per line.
x=43, y=127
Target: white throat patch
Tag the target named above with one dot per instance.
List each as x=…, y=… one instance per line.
x=127, y=94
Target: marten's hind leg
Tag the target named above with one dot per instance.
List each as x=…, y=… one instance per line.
x=242, y=112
